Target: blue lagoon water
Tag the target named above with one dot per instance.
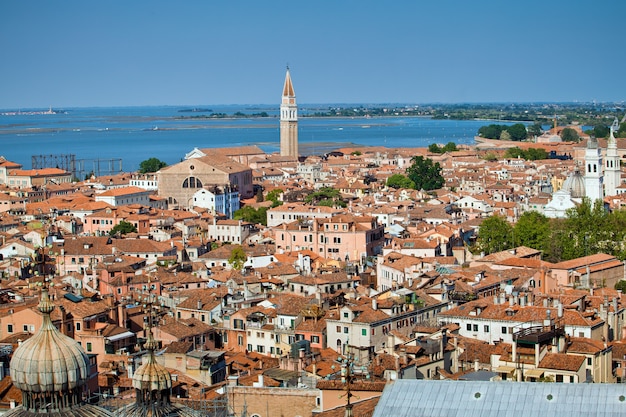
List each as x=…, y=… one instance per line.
x=126, y=136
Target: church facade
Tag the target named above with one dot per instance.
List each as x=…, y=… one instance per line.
x=181, y=181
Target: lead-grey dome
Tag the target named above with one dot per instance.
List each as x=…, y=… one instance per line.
x=153, y=383
x=575, y=184
x=49, y=361
x=51, y=370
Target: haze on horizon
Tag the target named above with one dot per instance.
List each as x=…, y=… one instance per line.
x=83, y=54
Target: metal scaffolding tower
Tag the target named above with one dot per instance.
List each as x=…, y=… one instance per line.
x=69, y=163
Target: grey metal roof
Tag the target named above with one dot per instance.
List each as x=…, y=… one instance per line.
x=416, y=398
x=480, y=375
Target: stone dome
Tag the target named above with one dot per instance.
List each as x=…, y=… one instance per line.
x=575, y=184
x=152, y=376
x=51, y=370
x=153, y=383
x=49, y=361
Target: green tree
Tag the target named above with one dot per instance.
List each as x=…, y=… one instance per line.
x=237, y=258
x=532, y=154
x=274, y=197
x=535, y=129
x=554, y=249
x=533, y=230
x=151, y=165
x=505, y=135
x=569, y=135
x=434, y=148
x=400, y=181
x=252, y=215
x=585, y=225
x=599, y=131
x=425, y=174
x=517, y=131
x=491, y=131
x=490, y=156
x=494, y=235
x=450, y=147
x=325, y=196
x=621, y=286
x=514, y=152
x=123, y=227
x=613, y=240
x=535, y=154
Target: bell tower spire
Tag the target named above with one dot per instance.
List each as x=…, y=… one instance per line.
x=288, y=120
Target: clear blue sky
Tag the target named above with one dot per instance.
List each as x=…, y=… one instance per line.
x=116, y=53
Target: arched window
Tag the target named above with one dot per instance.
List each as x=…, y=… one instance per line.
x=192, y=182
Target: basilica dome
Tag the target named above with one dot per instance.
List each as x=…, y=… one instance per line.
x=153, y=383
x=575, y=184
x=49, y=361
x=52, y=371
x=152, y=376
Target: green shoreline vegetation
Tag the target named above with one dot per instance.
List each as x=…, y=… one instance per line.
x=597, y=116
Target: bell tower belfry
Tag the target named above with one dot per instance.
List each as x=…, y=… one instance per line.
x=594, y=179
x=612, y=171
x=288, y=120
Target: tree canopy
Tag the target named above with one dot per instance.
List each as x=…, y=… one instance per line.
x=151, y=165
x=569, y=135
x=274, y=196
x=599, y=131
x=530, y=154
x=495, y=235
x=252, y=215
x=516, y=132
x=587, y=229
x=535, y=129
x=491, y=131
x=400, y=181
x=425, y=174
x=448, y=147
x=123, y=227
x=325, y=196
x=237, y=258
x=532, y=229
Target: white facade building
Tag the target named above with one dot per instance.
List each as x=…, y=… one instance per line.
x=220, y=201
x=125, y=196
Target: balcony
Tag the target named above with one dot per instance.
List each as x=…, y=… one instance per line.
x=254, y=324
x=539, y=334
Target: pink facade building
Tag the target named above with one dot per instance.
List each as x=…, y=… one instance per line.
x=343, y=237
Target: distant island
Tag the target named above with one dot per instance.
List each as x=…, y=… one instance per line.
x=195, y=110
x=587, y=114
x=236, y=115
